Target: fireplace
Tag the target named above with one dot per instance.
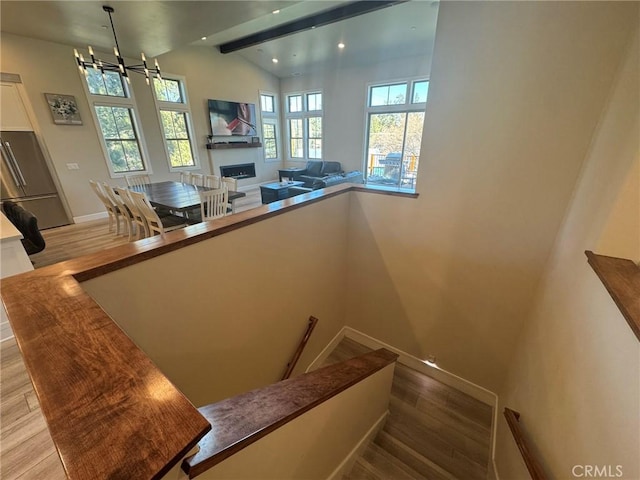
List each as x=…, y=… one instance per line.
x=241, y=170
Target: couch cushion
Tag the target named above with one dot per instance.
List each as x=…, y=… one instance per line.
x=314, y=168
x=331, y=168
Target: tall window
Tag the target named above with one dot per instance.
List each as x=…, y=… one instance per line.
x=175, y=120
x=269, y=114
x=114, y=112
x=304, y=125
x=395, y=116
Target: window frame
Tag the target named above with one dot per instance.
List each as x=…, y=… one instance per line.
x=128, y=101
x=180, y=107
x=270, y=118
x=305, y=114
x=405, y=108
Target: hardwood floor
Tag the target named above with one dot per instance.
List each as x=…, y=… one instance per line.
x=433, y=431
x=27, y=451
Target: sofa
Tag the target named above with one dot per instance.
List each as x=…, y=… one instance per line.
x=321, y=174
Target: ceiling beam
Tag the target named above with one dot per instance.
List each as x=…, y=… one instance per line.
x=336, y=14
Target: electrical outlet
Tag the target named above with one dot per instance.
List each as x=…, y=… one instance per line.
x=73, y=166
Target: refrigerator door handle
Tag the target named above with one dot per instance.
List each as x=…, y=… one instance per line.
x=7, y=160
x=15, y=163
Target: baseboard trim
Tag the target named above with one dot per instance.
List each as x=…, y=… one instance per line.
x=326, y=351
x=465, y=386
x=90, y=217
x=346, y=465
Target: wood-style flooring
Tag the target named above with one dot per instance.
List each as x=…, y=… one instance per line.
x=26, y=449
x=433, y=431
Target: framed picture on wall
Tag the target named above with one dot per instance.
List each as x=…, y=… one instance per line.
x=64, y=109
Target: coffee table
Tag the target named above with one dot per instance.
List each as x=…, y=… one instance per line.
x=272, y=192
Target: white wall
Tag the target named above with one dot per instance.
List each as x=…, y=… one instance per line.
x=47, y=67
x=575, y=373
x=344, y=102
x=517, y=90
x=225, y=316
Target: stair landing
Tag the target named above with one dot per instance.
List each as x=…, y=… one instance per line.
x=433, y=431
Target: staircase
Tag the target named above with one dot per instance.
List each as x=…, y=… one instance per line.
x=433, y=431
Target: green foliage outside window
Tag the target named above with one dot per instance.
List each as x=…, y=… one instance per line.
x=269, y=141
x=174, y=126
x=109, y=84
x=168, y=90
x=116, y=124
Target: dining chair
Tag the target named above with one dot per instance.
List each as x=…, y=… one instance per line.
x=185, y=177
x=138, y=220
x=232, y=185
x=197, y=179
x=127, y=216
x=213, y=203
x=111, y=207
x=212, y=181
x=137, y=180
x=154, y=223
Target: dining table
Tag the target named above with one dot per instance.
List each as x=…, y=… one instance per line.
x=177, y=196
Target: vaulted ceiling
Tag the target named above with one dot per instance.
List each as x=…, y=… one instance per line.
x=157, y=27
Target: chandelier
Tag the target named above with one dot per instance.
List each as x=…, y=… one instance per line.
x=104, y=66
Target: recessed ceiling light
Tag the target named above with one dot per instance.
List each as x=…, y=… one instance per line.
x=275, y=12
x=413, y=27
x=274, y=60
x=341, y=45
x=203, y=38
x=296, y=74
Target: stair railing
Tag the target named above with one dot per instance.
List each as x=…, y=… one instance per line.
x=530, y=459
x=303, y=343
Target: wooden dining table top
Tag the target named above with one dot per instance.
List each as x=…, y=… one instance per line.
x=177, y=196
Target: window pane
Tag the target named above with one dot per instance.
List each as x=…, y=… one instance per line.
x=296, y=148
x=295, y=127
x=420, y=92
x=270, y=148
x=123, y=122
x=110, y=84
x=180, y=153
x=295, y=103
x=315, y=148
x=388, y=95
x=314, y=126
x=174, y=124
x=117, y=129
x=267, y=103
x=386, y=139
x=168, y=90
x=314, y=102
x=398, y=94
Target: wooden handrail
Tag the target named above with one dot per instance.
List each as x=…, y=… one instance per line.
x=303, y=343
x=621, y=278
x=239, y=421
x=530, y=460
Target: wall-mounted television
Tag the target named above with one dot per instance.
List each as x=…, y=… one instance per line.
x=232, y=118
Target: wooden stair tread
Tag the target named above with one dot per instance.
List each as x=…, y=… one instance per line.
x=432, y=431
x=389, y=465
x=418, y=463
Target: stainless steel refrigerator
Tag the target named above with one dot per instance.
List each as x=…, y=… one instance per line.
x=26, y=179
